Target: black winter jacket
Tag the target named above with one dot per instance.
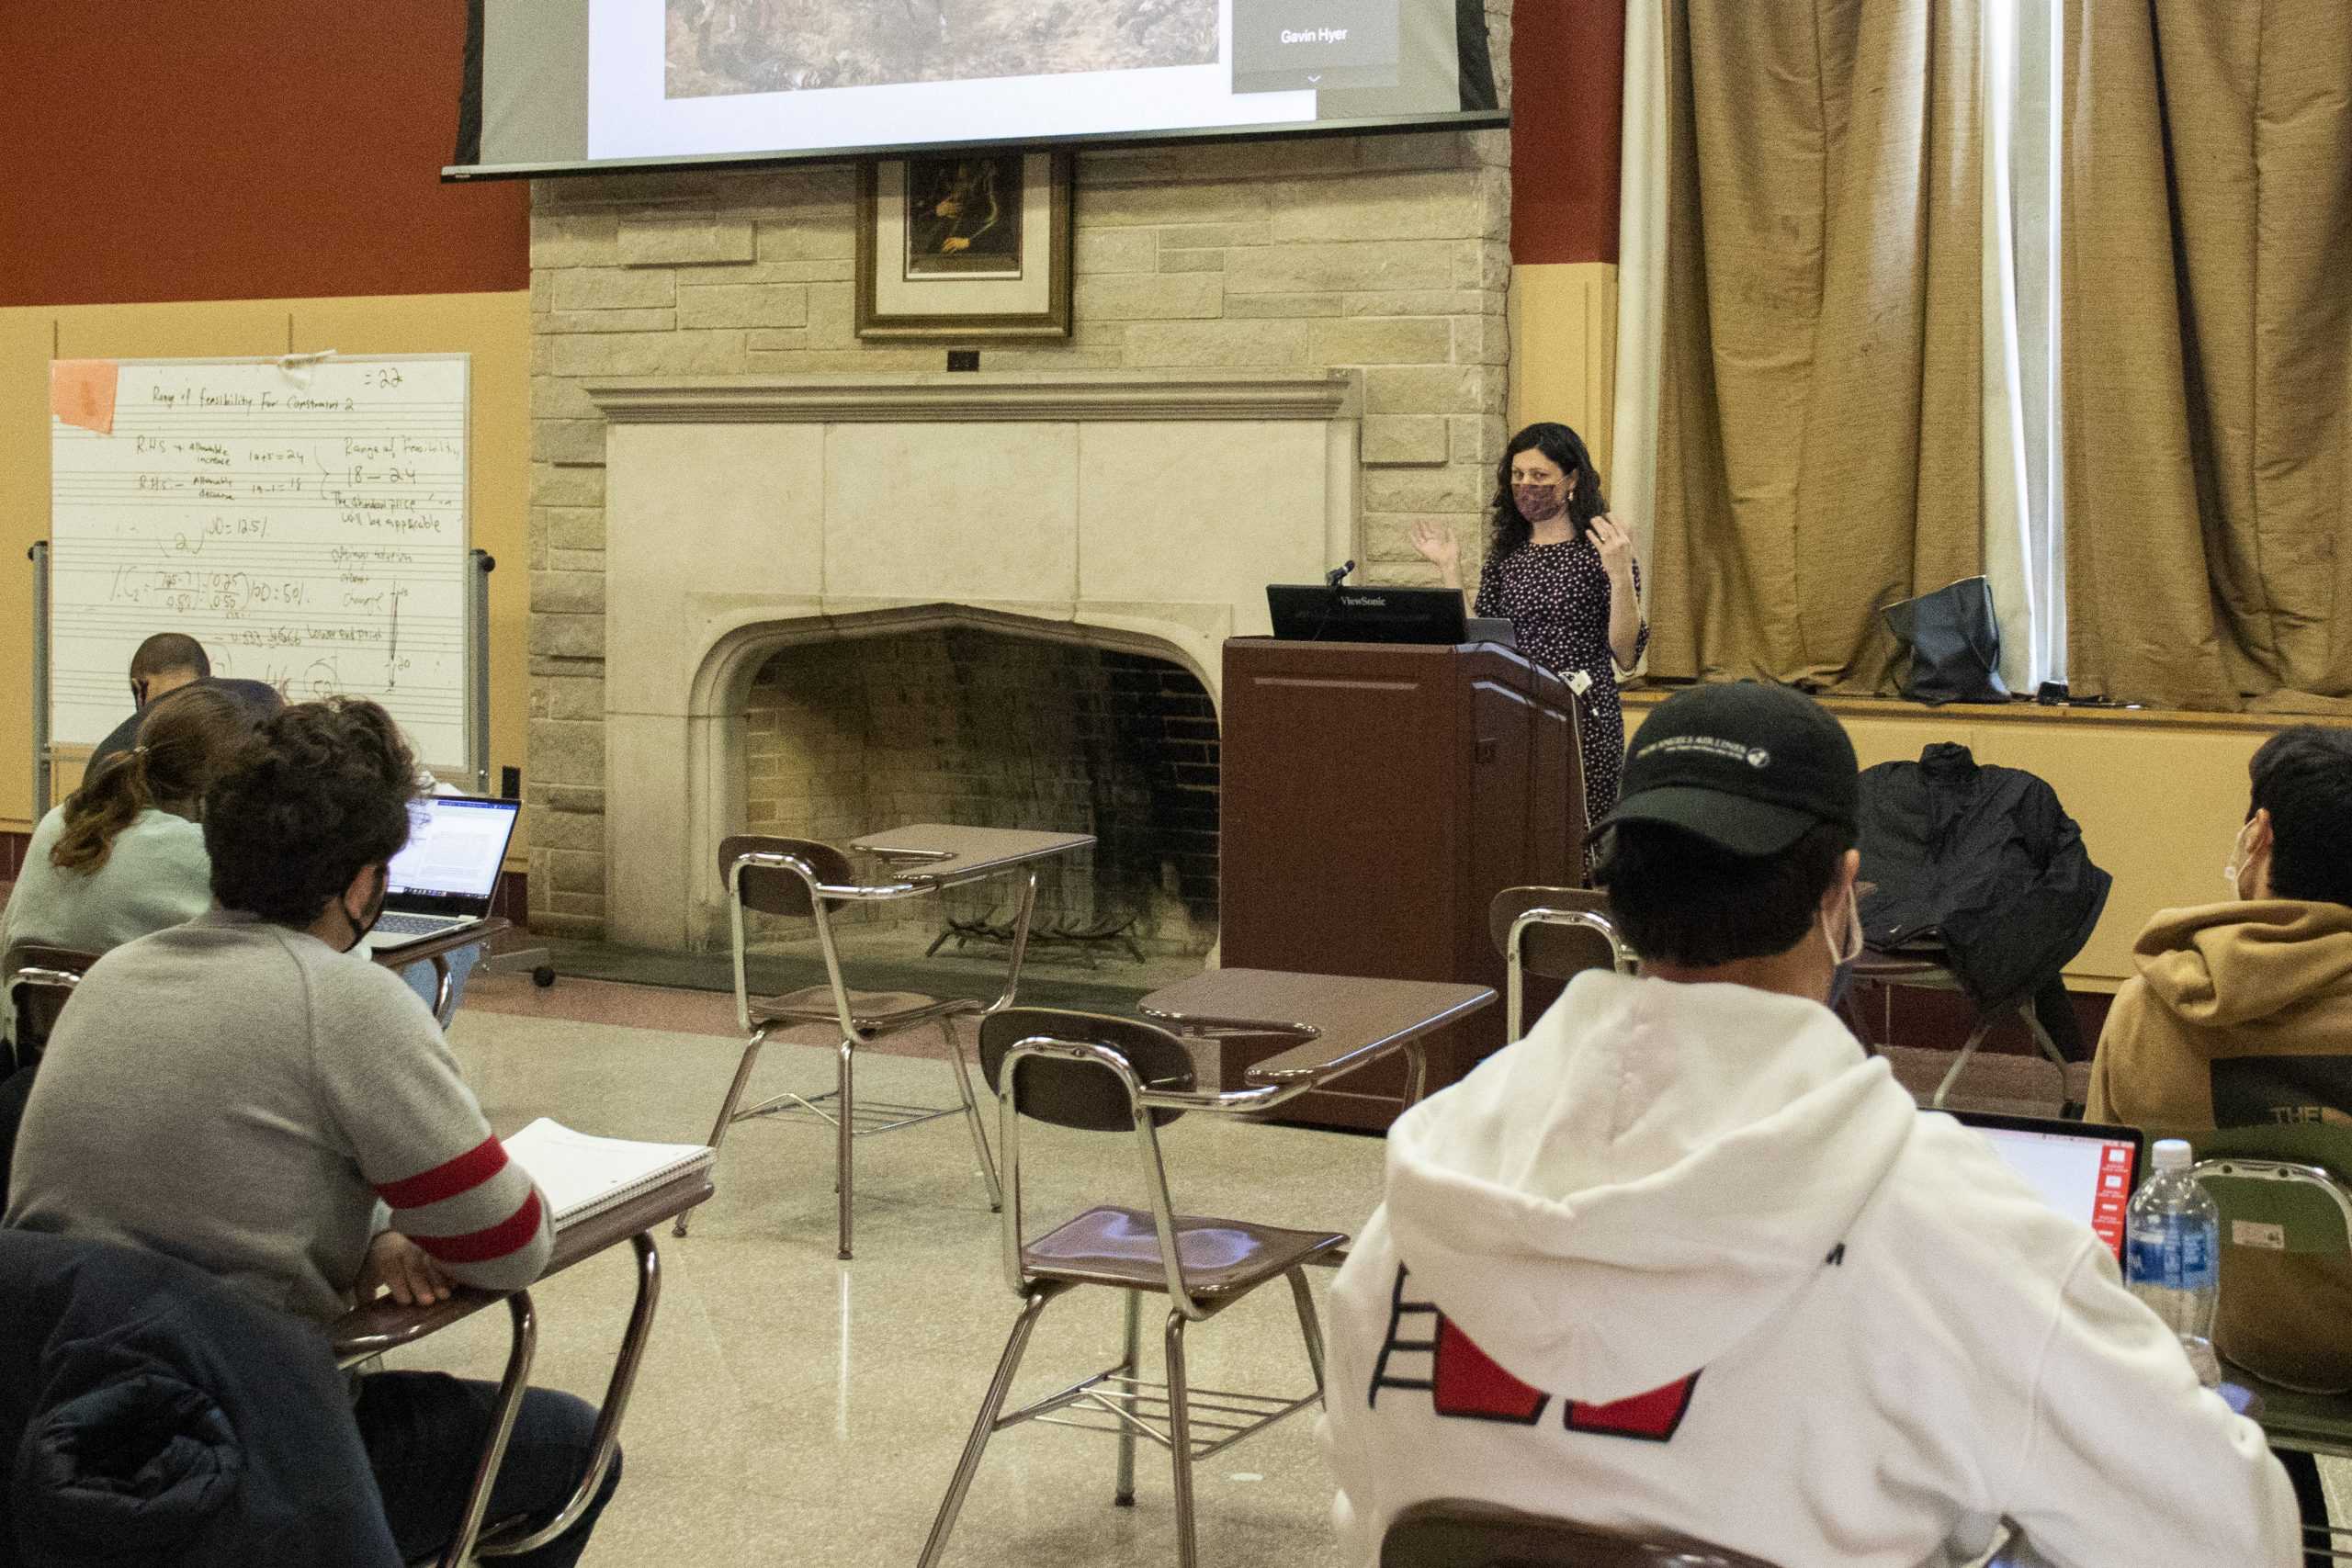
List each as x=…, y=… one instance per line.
x=1983, y=858
x=151, y=1415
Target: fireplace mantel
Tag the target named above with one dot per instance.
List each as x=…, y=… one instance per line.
x=980, y=395
x=1140, y=510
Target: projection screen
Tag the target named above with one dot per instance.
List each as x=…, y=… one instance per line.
x=573, y=85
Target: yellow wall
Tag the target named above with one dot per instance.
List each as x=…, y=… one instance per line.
x=1564, y=350
x=494, y=328
x=2160, y=797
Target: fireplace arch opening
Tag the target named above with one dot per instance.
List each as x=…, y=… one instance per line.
x=981, y=726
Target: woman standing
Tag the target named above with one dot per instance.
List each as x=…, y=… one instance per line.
x=1563, y=570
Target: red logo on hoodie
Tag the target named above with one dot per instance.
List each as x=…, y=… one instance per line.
x=1465, y=1384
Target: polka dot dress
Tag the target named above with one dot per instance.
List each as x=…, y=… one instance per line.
x=1556, y=597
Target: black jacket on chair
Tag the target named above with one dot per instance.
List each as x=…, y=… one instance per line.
x=1983, y=857
x=150, y=1414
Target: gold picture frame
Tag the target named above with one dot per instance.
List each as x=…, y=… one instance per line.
x=966, y=247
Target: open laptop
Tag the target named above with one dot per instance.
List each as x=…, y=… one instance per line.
x=449, y=873
x=2084, y=1170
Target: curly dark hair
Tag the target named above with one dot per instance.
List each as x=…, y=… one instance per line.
x=1564, y=446
x=321, y=791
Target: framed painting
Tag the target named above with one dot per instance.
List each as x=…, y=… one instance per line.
x=965, y=246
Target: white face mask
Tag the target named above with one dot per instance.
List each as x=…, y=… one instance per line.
x=2236, y=869
x=1853, y=943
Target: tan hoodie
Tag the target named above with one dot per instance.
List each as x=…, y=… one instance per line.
x=2241, y=1016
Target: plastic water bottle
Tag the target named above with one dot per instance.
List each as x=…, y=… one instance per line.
x=2173, y=1255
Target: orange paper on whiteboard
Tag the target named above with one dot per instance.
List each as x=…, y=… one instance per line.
x=81, y=393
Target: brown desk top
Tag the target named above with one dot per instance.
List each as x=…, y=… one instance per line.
x=374, y=1327
x=1345, y=1021
x=401, y=957
x=939, y=852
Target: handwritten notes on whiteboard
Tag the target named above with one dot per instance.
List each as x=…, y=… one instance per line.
x=306, y=524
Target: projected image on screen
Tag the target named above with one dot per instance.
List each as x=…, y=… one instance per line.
x=724, y=48
x=564, y=85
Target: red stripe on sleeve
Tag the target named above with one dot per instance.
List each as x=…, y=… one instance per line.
x=510, y=1234
x=448, y=1178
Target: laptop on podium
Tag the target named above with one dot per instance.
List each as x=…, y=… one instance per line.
x=1309, y=611
x=448, y=874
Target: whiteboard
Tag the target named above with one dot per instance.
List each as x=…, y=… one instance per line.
x=305, y=520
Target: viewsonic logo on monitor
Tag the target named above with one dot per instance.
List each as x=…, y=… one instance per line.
x=1364, y=601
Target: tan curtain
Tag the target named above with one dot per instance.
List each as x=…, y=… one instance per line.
x=1819, y=448
x=2207, y=351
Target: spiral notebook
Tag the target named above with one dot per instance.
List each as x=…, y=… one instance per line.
x=583, y=1175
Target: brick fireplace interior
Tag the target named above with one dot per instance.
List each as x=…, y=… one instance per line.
x=973, y=725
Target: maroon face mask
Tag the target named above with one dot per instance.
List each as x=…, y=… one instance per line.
x=1538, y=503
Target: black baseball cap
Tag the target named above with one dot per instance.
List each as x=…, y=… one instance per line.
x=1751, y=768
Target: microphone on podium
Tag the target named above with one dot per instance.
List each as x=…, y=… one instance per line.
x=1338, y=574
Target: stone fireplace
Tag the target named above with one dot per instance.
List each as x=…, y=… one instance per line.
x=753, y=522
x=1282, y=355
x=982, y=722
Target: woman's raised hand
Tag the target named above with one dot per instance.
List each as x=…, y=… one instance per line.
x=1437, y=544
x=1615, y=544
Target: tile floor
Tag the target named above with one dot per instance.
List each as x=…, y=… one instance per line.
x=793, y=1408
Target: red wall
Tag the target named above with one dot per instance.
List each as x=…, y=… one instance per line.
x=260, y=149
x=1567, y=86
x=241, y=148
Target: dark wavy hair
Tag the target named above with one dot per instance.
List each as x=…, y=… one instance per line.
x=1564, y=446
x=184, y=741
x=321, y=791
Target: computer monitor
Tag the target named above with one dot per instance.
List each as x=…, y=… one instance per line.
x=1313, y=613
x=2083, y=1169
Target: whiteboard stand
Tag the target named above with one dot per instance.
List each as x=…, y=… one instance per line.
x=533, y=960
x=478, y=708
x=38, y=556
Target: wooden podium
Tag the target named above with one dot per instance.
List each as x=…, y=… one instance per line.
x=1375, y=799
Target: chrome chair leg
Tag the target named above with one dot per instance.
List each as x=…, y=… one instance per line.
x=1959, y=1062
x=1132, y=1365
x=983, y=1427
x=845, y=1136
x=2049, y=1047
x=1308, y=1328
x=1179, y=1443
x=521, y=1350
x=727, y=1108
x=972, y=1115
x=605, y=1436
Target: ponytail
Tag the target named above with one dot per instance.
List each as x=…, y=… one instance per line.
x=107, y=802
x=185, y=741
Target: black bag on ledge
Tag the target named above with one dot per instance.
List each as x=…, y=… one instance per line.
x=1952, y=642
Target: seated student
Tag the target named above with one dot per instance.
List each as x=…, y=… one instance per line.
x=166, y=663
x=244, y=1093
x=2241, y=1016
x=123, y=856
x=1685, y=1260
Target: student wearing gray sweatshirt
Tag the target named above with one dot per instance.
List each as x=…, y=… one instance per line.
x=247, y=1093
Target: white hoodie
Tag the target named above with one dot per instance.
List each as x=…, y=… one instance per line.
x=1844, y=1331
